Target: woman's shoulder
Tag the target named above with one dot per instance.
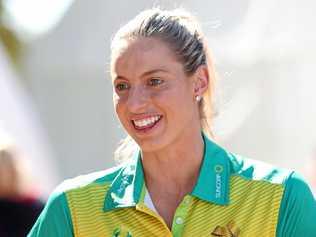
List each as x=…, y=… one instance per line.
x=257, y=170
x=247, y=168
x=295, y=201
x=86, y=181
x=57, y=211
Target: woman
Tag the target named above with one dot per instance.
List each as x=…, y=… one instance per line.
x=179, y=182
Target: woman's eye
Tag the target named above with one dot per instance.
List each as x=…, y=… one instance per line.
x=155, y=81
x=121, y=86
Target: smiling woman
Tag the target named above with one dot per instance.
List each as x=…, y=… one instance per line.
x=178, y=182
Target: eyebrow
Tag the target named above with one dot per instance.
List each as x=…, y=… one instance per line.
x=153, y=71
x=144, y=74
x=120, y=78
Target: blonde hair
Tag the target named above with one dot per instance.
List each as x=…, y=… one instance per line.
x=182, y=33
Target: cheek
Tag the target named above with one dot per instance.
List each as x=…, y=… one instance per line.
x=178, y=99
x=120, y=108
x=184, y=109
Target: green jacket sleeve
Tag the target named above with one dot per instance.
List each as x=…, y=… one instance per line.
x=55, y=219
x=297, y=215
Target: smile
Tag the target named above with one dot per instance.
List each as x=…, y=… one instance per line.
x=146, y=122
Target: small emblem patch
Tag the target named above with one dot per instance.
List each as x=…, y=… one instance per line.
x=218, y=168
x=121, y=232
x=230, y=230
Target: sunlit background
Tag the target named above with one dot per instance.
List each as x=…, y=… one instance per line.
x=56, y=95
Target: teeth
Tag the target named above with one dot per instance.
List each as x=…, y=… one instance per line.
x=147, y=121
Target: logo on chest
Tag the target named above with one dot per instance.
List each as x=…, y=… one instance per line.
x=218, y=180
x=230, y=230
x=121, y=232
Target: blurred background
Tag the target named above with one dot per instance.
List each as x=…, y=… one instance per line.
x=56, y=95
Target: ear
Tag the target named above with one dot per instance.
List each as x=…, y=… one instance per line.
x=201, y=80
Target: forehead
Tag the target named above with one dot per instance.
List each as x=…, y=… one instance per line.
x=145, y=54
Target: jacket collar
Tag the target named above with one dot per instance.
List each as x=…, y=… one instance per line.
x=127, y=188
x=213, y=181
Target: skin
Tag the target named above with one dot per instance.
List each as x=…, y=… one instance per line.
x=148, y=80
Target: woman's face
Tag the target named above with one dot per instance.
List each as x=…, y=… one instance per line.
x=153, y=97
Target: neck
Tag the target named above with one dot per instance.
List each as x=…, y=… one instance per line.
x=175, y=168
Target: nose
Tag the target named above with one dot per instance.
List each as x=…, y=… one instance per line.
x=137, y=100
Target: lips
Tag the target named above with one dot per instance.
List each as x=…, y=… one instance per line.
x=146, y=123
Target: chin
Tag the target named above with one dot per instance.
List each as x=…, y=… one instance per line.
x=154, y=144
x=149, y=146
